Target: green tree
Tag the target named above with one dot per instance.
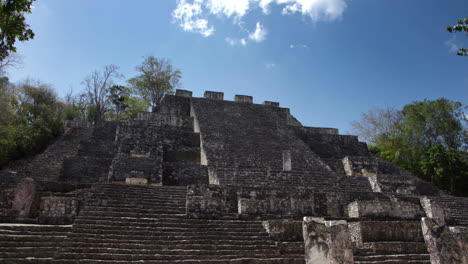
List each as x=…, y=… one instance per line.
x=157, y=78
x=135, y=105
x=119, y=98
x=97, y=86
x=40, y=113
x=446, y=166
x=461, y=26
x=13, y=25
x=416, y=129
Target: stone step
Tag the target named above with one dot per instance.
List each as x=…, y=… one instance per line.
x=135, y=197
x=167, y=236
x=31, y=233
x=165, y=228
x=287, y=260
x=390, y=247
x=90, y=240
x=167, y=214
x=145, y=193
x=31, y=260
x=45, y=253
x=171, y=218
x=138, y=200
x=401, y=257
x=37, y=228
x=118, y=186
x=32, y=238
x=170, y=233
x=172, y=252
x=35, y=249
x=135, y=202
x=393, y=262
x=31, y=244
x=152, y=210
x=152, y=246
x=168, y=223
x=152, y=257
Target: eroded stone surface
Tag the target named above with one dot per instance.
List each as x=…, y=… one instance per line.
x=25, y=195
x=327, y=242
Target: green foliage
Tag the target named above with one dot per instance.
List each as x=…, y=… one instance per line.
x=157, y=78
x=461, y=26
x=135, y=105
x=119, y=96
x=446, y=166
x=13, y=25
x=31, y=116
x=415, y=137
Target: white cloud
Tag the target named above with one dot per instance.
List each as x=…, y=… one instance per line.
x=259, y=34
x=264, y=5
x=192, y=15
x=452, y=45
x=317, y=10
x=236, y=42
x=228, y=8
x=189, y=17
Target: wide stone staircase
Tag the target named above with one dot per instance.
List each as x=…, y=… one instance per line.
x=396, y=242
x=30, y=243
x=141, y=224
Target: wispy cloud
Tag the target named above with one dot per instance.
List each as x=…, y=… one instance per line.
x=259, y=34
x=236, y=42
x=192, y=15
x=270, y=65
x=452, y=45
x=298, y=46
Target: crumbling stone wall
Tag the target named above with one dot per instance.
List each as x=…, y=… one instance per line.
x=445, y=244
x=58, y=209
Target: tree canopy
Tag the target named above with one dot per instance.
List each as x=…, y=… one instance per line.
x=157, y=78
x=13, y=25
x=461, y=26
x=422, y=134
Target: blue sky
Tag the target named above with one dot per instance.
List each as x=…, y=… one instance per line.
x=327, y=60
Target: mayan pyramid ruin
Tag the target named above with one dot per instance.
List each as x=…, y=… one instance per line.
x=207, y=180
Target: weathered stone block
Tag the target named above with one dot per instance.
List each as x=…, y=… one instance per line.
x=386, y=207
x=243, y=98
x=183, y=93
x=375, y=231
x=58, y=210
x=214, y=95
x=136, y=180
x=327, y=242
x=360, y=166
x=446, y=245
x=25, y=195
x=284, y=230
x=271, y=103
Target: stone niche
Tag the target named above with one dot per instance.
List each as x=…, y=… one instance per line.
x=243, y=98
x=360, y=166
x=183, y=93
x=214, y=95
x=136, y=180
